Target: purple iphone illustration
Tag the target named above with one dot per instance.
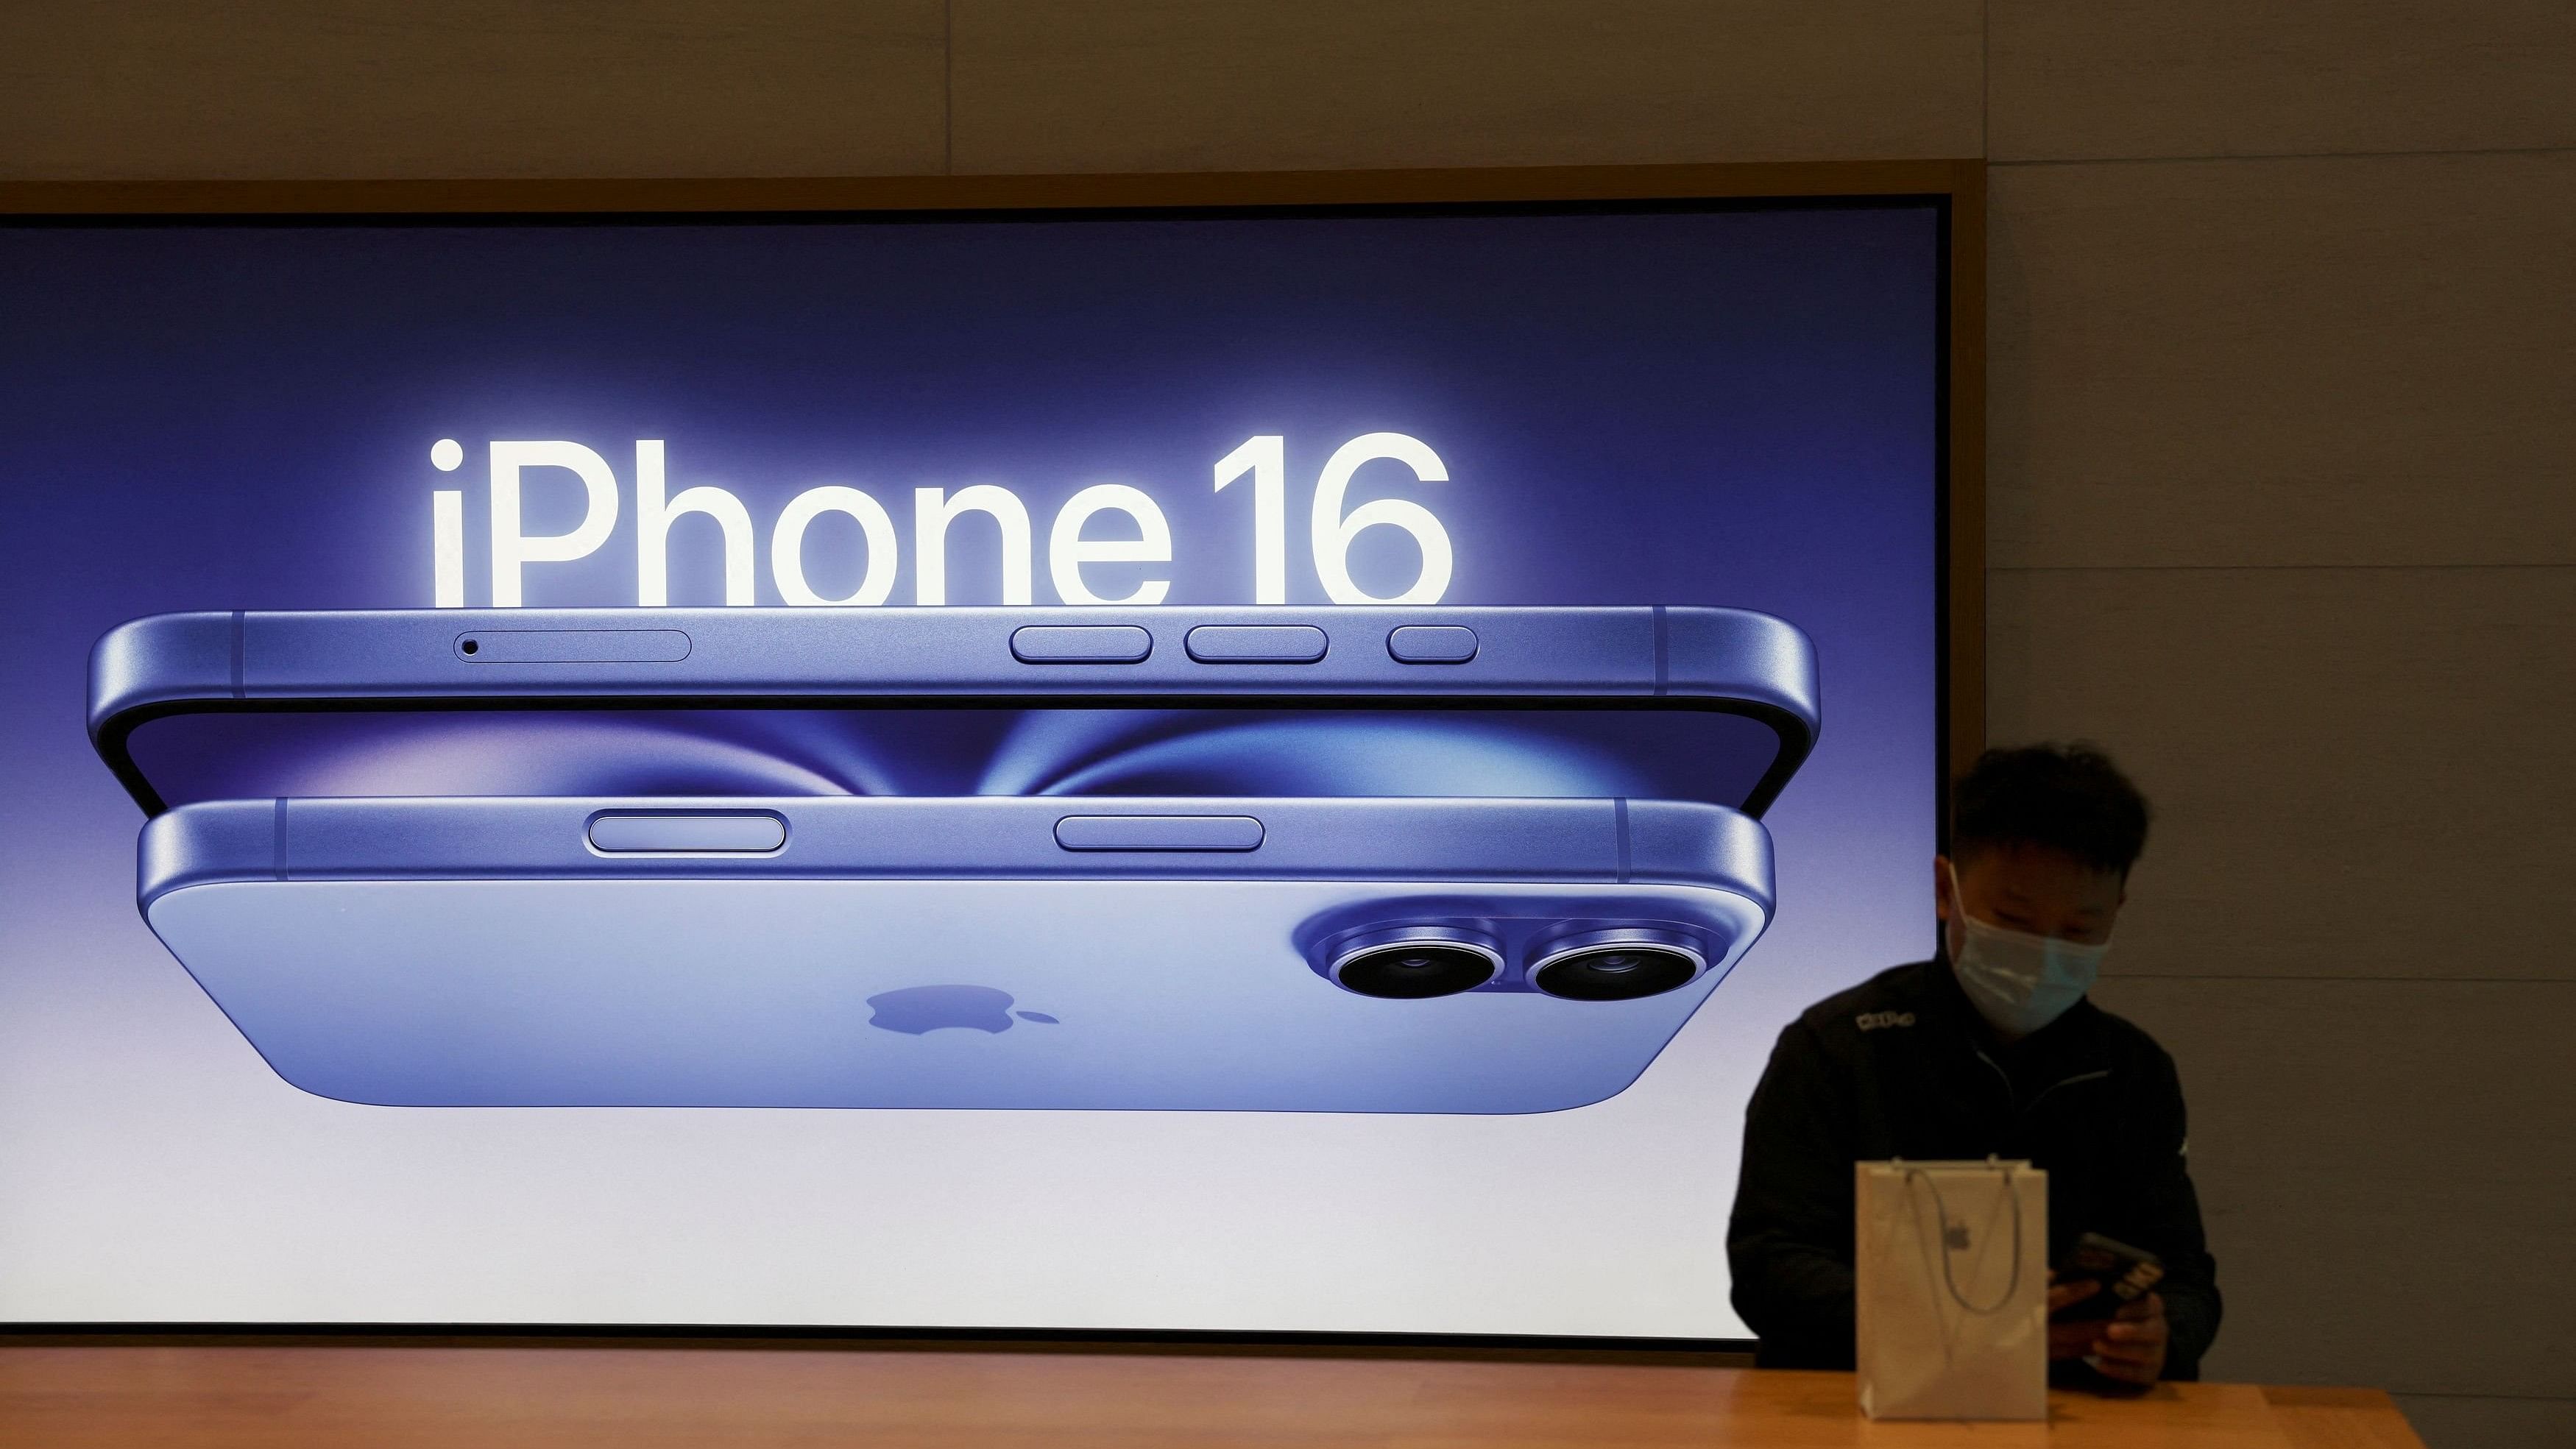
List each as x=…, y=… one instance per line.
x=1473, y=860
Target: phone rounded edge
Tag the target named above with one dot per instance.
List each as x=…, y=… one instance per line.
x=1693, y=843
x=1750, y=663
x=203, y=844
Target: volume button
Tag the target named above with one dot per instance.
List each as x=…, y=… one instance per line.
x=1432, y=644
x=1256, y=643
x=646, y=834
x=1080, y=644
x=1158, y=832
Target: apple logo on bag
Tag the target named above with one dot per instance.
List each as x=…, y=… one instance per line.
x=919, y=1010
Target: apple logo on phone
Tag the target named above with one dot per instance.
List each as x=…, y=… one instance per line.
x=917, y=1010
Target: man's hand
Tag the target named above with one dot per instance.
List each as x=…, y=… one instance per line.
x=2070, y=1340
x=2132, y=1346
x=2129, y=1348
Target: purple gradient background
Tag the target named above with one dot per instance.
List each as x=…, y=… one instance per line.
x=1727, y=407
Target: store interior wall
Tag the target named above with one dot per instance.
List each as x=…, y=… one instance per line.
x=2282, y=379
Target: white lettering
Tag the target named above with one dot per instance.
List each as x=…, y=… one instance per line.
x=1068, y=550
x=447, y=547
x=931, y=512
x=1333, y=530
x=510, y=548
x=787, y=545
x=653, y=531
x=1266, y=458
x=447, y=529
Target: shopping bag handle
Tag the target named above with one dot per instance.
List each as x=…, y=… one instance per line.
x=1941, y=1210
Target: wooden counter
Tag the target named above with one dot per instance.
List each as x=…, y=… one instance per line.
x=636, y=1395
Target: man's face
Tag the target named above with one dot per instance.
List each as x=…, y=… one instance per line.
x=2031, y=889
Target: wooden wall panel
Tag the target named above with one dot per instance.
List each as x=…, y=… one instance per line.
x=1164, y=85
x=2358, y=772
x=2339, y=361
x=2117, y=78
x=2277, y=508
x=478, y=88
x=2385, y=1169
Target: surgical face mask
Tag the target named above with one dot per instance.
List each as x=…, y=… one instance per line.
x=2017, y=981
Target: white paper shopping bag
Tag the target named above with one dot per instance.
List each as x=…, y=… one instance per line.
x=1952, y=1263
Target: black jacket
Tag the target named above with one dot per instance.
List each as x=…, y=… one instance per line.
x=1902, y=1066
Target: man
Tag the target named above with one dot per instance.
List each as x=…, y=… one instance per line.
x=1989, y=1048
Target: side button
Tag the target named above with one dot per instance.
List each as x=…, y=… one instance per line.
x=1158, y=832
x=1432, y=644
x=687, y=834
x=1256, y=643
x=1080, y=644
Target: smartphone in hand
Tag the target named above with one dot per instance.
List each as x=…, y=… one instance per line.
x=2124, y=1273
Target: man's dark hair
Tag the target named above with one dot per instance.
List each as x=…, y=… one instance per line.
x=2066, y=798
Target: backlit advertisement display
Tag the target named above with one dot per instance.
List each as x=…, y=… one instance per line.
x=1257, y=770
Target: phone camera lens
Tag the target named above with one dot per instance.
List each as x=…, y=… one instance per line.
x=1615, y=966
x=1409, y=970
x=471, y=646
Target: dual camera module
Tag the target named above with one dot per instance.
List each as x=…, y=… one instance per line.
x=1617, y=963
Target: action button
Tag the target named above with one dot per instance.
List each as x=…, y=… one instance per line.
x=1256, y=643
x=1432, y=644
x=688, y=834
x=1080, y=644
x=1158, y=832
